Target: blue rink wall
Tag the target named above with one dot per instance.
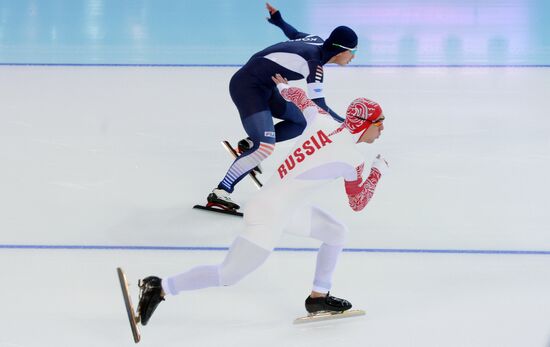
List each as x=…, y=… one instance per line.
x=210, y=32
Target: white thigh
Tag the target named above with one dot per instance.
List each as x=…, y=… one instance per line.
x=300, y=221
x=312, y=221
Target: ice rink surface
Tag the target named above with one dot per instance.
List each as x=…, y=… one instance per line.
x=101, y=166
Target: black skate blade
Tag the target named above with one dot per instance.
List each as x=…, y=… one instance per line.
x=326, y=315
x=219, y=210
x=129, y=307
x=252, y=174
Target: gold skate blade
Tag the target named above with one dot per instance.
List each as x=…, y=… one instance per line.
x=326, y=315
x=129, y=307
x=251, y=174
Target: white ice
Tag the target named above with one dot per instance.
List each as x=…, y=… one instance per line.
x=116, y=156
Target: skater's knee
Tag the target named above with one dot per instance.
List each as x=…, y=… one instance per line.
x=243, y=258
x=230, y=275
x=231, y=279
x=301, y=123
x=330, y=231
x=338, y=234
x=296, y=116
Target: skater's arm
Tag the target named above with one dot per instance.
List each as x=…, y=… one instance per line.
x=322, y=104
x=360, y=192
x=295, y=95
x=315, y=88
x=276, y=19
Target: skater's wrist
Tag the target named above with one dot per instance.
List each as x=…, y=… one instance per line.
x=282, y=86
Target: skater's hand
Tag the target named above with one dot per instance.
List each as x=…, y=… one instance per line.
x=270, y=8
x=381, y=164
x=382, y=159
x=275, y=17
x=278, y=79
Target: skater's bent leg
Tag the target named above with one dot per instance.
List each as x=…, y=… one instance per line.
x=243, y=258
x=260, y=129
x=313, y=222
x=326, y=228
x=327, y=257
x=293, y=121
x=293, y=126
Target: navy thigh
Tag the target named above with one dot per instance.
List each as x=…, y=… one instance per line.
x=259, y=127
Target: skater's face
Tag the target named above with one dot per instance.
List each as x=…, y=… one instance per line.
x=374, y=131
x=343, y=58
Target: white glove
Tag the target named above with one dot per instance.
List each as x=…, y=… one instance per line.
x=381, y=164
x=280, y=81
x=282, y=86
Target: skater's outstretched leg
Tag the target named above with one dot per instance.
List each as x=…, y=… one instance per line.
x=242, y=258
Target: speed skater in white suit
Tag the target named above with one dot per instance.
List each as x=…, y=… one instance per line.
x=324, y=152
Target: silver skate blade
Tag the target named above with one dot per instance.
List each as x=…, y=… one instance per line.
x=321, y=316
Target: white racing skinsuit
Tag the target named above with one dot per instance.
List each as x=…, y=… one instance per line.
x=324, y=152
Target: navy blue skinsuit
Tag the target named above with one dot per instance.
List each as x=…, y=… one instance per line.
x=258, y=100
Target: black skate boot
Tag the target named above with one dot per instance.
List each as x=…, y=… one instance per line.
x=328, y=303
x=220, y=198
x=150, y=297
x=243, y=146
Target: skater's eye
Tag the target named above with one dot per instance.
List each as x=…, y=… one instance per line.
x=378, y=122
x=352, y=50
